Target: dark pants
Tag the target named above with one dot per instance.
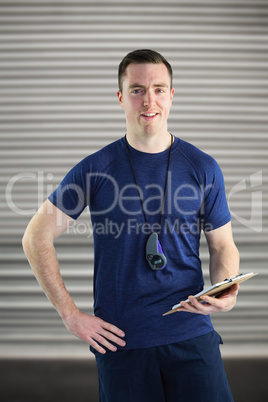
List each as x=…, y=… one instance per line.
x=187, y=371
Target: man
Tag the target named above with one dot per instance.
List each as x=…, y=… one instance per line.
x=150, y=196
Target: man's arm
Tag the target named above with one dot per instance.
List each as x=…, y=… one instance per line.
x=224, y=263
x=38, y=244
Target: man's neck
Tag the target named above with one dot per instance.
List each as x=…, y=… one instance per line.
x=150, y=143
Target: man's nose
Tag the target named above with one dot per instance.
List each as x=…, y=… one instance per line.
x=149, y=99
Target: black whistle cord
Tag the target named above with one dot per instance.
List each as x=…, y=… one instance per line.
x=137, y=186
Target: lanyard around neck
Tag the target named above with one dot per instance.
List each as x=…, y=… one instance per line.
x=138, y=188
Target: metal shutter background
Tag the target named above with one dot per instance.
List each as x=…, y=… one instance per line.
x=58, y=68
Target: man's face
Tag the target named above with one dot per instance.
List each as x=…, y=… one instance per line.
x=146, y=98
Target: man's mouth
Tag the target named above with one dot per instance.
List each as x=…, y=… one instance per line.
x=149, y=116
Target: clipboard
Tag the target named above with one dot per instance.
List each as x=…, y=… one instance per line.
x=216, y=289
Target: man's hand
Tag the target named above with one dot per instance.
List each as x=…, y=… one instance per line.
x=94, y=331
x=210, y=304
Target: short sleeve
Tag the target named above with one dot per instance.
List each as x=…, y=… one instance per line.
x=72, y=195
x=214, y=212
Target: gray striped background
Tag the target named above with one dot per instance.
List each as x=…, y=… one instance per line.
x=58, y=83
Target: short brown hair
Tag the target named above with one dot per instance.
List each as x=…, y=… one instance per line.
x=142, y=56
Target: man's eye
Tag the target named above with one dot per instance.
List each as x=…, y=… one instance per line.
x=159, y=90
x=137, y=91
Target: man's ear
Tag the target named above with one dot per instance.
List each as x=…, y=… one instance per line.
x=172, y=93
x=120, y=98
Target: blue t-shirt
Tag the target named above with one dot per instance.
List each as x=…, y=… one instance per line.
x=127, y=292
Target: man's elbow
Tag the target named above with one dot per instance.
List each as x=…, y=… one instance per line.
x=29, y=241
x=34, y=239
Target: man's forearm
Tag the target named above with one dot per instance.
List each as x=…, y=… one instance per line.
x=42, y=257
x=224, y=263
x=44, y=262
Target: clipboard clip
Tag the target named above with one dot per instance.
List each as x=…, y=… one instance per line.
x=232, y=278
